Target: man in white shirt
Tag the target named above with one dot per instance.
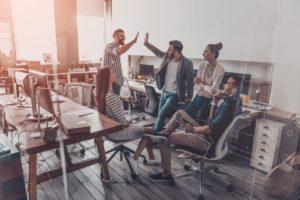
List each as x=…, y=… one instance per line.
x=174, y=77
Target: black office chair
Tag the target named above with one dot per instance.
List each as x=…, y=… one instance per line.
x=124, y=151
x=151, y=107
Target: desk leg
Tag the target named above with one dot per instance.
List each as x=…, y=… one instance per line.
x=32, y=177
x=102, y=158
x=69, y=78
x=86, y=78
x=67, y=157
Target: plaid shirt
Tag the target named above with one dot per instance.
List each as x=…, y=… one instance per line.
x=113, y=61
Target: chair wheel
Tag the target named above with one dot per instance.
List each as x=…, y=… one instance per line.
x=230, y=188
x=201, y=197
x=186, y=167
x=134, y=175
x=145, y=162
x=82, y=151
x=57, y=153
x=171, y=182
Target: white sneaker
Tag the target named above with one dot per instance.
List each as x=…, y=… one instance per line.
x=153, y=162
x=135, y=166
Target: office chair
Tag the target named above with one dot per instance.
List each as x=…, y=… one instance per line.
x=152, y=103
x=120, y=148
x=215, y=153
x=82, y=94
x=124, y=151
x=79, y=92
x=6, y=128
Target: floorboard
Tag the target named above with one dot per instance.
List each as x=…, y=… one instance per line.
x=86, y=183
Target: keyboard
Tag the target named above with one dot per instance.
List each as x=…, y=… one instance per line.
x=258, y=106
x=3, y=149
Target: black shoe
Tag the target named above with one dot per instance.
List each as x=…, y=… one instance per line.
x=157, y=136
x=158, y=177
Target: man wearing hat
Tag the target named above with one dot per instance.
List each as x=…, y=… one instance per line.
x=174, y=77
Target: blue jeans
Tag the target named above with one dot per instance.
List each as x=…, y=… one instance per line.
x=167, y=104
x=199, y=108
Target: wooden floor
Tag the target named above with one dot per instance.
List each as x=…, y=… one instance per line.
x=86, y=184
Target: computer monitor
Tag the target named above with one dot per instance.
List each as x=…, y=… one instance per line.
x=243, y=81
x=40, y=97
x=43, y=96
x=147, y=70
x=23, y=82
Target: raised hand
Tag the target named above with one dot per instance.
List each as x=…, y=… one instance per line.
x=146, y=38
x=136, y=37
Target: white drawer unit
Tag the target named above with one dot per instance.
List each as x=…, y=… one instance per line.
x=266, y=144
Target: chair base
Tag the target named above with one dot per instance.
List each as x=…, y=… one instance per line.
x=125, y=151
x=192, y=169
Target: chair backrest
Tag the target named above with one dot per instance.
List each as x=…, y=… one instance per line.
x=151, y=107
x=80, y=93
x=221, y=148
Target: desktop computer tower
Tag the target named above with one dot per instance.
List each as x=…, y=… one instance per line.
x=289, y=142
x=12, y=184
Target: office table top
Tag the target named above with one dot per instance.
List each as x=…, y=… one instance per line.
x=15, y=116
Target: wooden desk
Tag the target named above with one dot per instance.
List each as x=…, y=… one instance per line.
x=68, y=75
x=85, y=73
x=100, y=126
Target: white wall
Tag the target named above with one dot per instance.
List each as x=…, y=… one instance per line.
x=90, y=8
x=244, y=27
x=263, y=31
x=34, y=28
x=91, y=32
x=285, y=92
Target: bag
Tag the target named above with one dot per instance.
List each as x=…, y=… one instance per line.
x=284, y=179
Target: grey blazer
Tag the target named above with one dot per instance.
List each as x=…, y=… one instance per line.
x=184, y=77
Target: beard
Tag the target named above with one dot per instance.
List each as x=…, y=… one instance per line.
x=170, y=55
x=121, y=42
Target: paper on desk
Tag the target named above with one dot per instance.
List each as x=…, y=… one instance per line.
x=81, y=113
x=35, y=135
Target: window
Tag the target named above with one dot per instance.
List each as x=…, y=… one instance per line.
x=6, y=45
x=34, y=28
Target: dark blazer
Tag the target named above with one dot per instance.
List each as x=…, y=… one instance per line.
x=184, y=77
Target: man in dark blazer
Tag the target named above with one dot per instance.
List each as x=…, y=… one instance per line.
x=174, y=77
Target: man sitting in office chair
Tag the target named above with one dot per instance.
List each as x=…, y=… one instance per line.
x=196, y=136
